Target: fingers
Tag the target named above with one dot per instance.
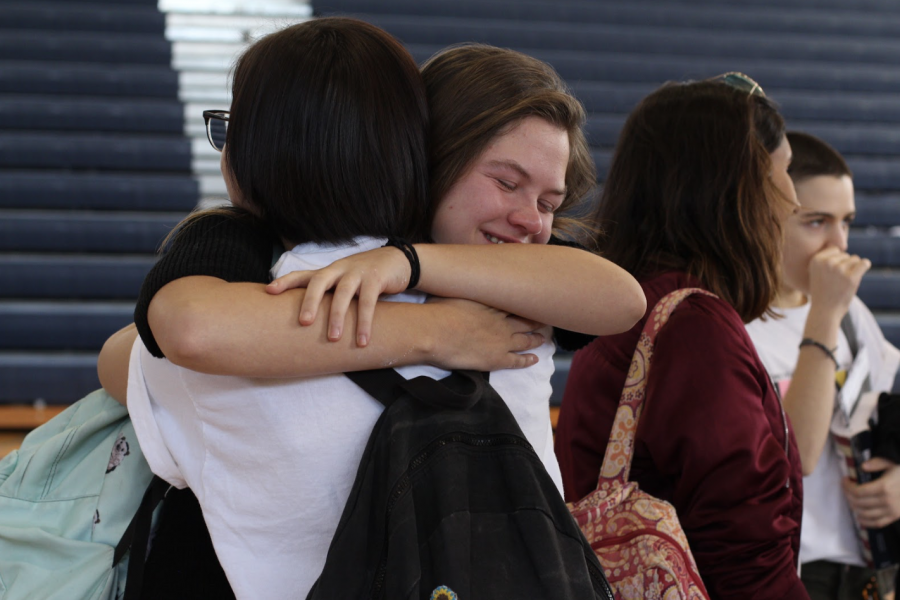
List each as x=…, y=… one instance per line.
x=520, y=361
x=875, y=516
x=343, y=294
x=309, y=308
x=873, y=503
x=520, y=325
x=873, y=465
x=296, y=279
x=368, y=298
x=522, y=342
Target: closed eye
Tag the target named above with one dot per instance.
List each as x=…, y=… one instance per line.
x=506, y=184
x=547, y=207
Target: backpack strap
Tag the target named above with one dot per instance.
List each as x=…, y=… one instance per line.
x=620, y=448
x=382, y=384
x=850, y=333
x=460, y=390
x=137, y=537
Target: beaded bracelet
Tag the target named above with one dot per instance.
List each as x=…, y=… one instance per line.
x=823, y=348
x=410, y=253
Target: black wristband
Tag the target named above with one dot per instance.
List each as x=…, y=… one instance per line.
x=410, y=252
x=823, y=348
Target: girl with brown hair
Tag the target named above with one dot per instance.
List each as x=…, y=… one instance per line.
x=211, y=313
x=695, y=197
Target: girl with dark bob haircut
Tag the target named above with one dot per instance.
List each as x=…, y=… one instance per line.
x=272, y=461
x=695, y=197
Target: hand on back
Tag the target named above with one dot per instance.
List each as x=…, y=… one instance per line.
x=366, y=274
x=475, y=336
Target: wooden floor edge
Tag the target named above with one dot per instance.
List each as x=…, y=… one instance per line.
x=24, y=416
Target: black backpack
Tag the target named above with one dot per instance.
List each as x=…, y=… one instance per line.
x=451, y=502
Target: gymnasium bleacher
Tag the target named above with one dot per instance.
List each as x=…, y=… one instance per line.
x=97, y=161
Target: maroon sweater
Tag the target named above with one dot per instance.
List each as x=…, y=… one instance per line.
x=712, y=441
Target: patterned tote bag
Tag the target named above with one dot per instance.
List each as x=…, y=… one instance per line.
x=636, y=536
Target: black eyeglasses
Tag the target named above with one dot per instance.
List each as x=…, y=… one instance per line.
x=742, y=82
x=216, y=127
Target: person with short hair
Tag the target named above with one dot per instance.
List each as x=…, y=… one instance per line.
x=808, y=356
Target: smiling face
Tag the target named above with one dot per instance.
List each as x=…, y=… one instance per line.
x=510, y=192
x=827, y=209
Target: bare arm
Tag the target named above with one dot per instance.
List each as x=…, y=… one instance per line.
x=209, y=325
x=561, y=286
x=112, y=366
x=564, y=287
x=809, y=401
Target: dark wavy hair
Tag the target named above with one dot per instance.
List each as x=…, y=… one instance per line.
x=689, y=189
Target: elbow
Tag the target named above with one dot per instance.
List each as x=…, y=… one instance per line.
x=631, y=307
x=808, y=463
x=809, y=457
x=181, y=332
x=637, y=303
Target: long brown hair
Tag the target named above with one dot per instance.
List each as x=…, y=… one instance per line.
x=689, y=189
x=476, y=92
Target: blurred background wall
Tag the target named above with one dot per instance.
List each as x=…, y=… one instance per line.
x=102, y=147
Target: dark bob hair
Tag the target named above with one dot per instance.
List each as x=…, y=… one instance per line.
x=689, y=189
x=327, y=137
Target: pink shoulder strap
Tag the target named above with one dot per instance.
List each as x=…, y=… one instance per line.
x=620, y=449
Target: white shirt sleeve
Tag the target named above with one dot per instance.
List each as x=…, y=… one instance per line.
x=140, y=407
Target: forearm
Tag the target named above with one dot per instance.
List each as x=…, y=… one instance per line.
x=809, y=401
x=211, y=326
x=112, y=364
x=560, y=286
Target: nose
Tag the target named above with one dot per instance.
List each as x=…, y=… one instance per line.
x=527, y=218
x=838, y=237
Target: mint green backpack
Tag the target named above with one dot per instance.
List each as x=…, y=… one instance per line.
x=67, y=498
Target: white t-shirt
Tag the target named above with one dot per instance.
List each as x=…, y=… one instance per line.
x=828, y=531
x=272, y=461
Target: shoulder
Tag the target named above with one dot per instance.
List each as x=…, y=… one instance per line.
x=223, y=223
x=708, y=317
x=706, y=333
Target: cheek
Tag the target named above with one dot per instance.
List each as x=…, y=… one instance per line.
x=451, y=221
x=798, y=251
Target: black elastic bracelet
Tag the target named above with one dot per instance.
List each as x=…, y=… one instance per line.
x=411, y=256
x=823, y=348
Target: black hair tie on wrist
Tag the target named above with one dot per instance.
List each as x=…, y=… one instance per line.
x=411, y=256
x=828, y=351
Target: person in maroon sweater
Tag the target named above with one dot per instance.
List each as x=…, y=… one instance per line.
x=695, y=197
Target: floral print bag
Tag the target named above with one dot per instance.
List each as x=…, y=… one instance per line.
x=637, y=537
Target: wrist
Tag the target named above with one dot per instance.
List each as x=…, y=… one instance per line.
x=426, y=345
x=823, y=324
x=411, y=255
x=820, y=347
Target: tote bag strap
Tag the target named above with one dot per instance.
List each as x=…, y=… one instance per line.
x=620, y=448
